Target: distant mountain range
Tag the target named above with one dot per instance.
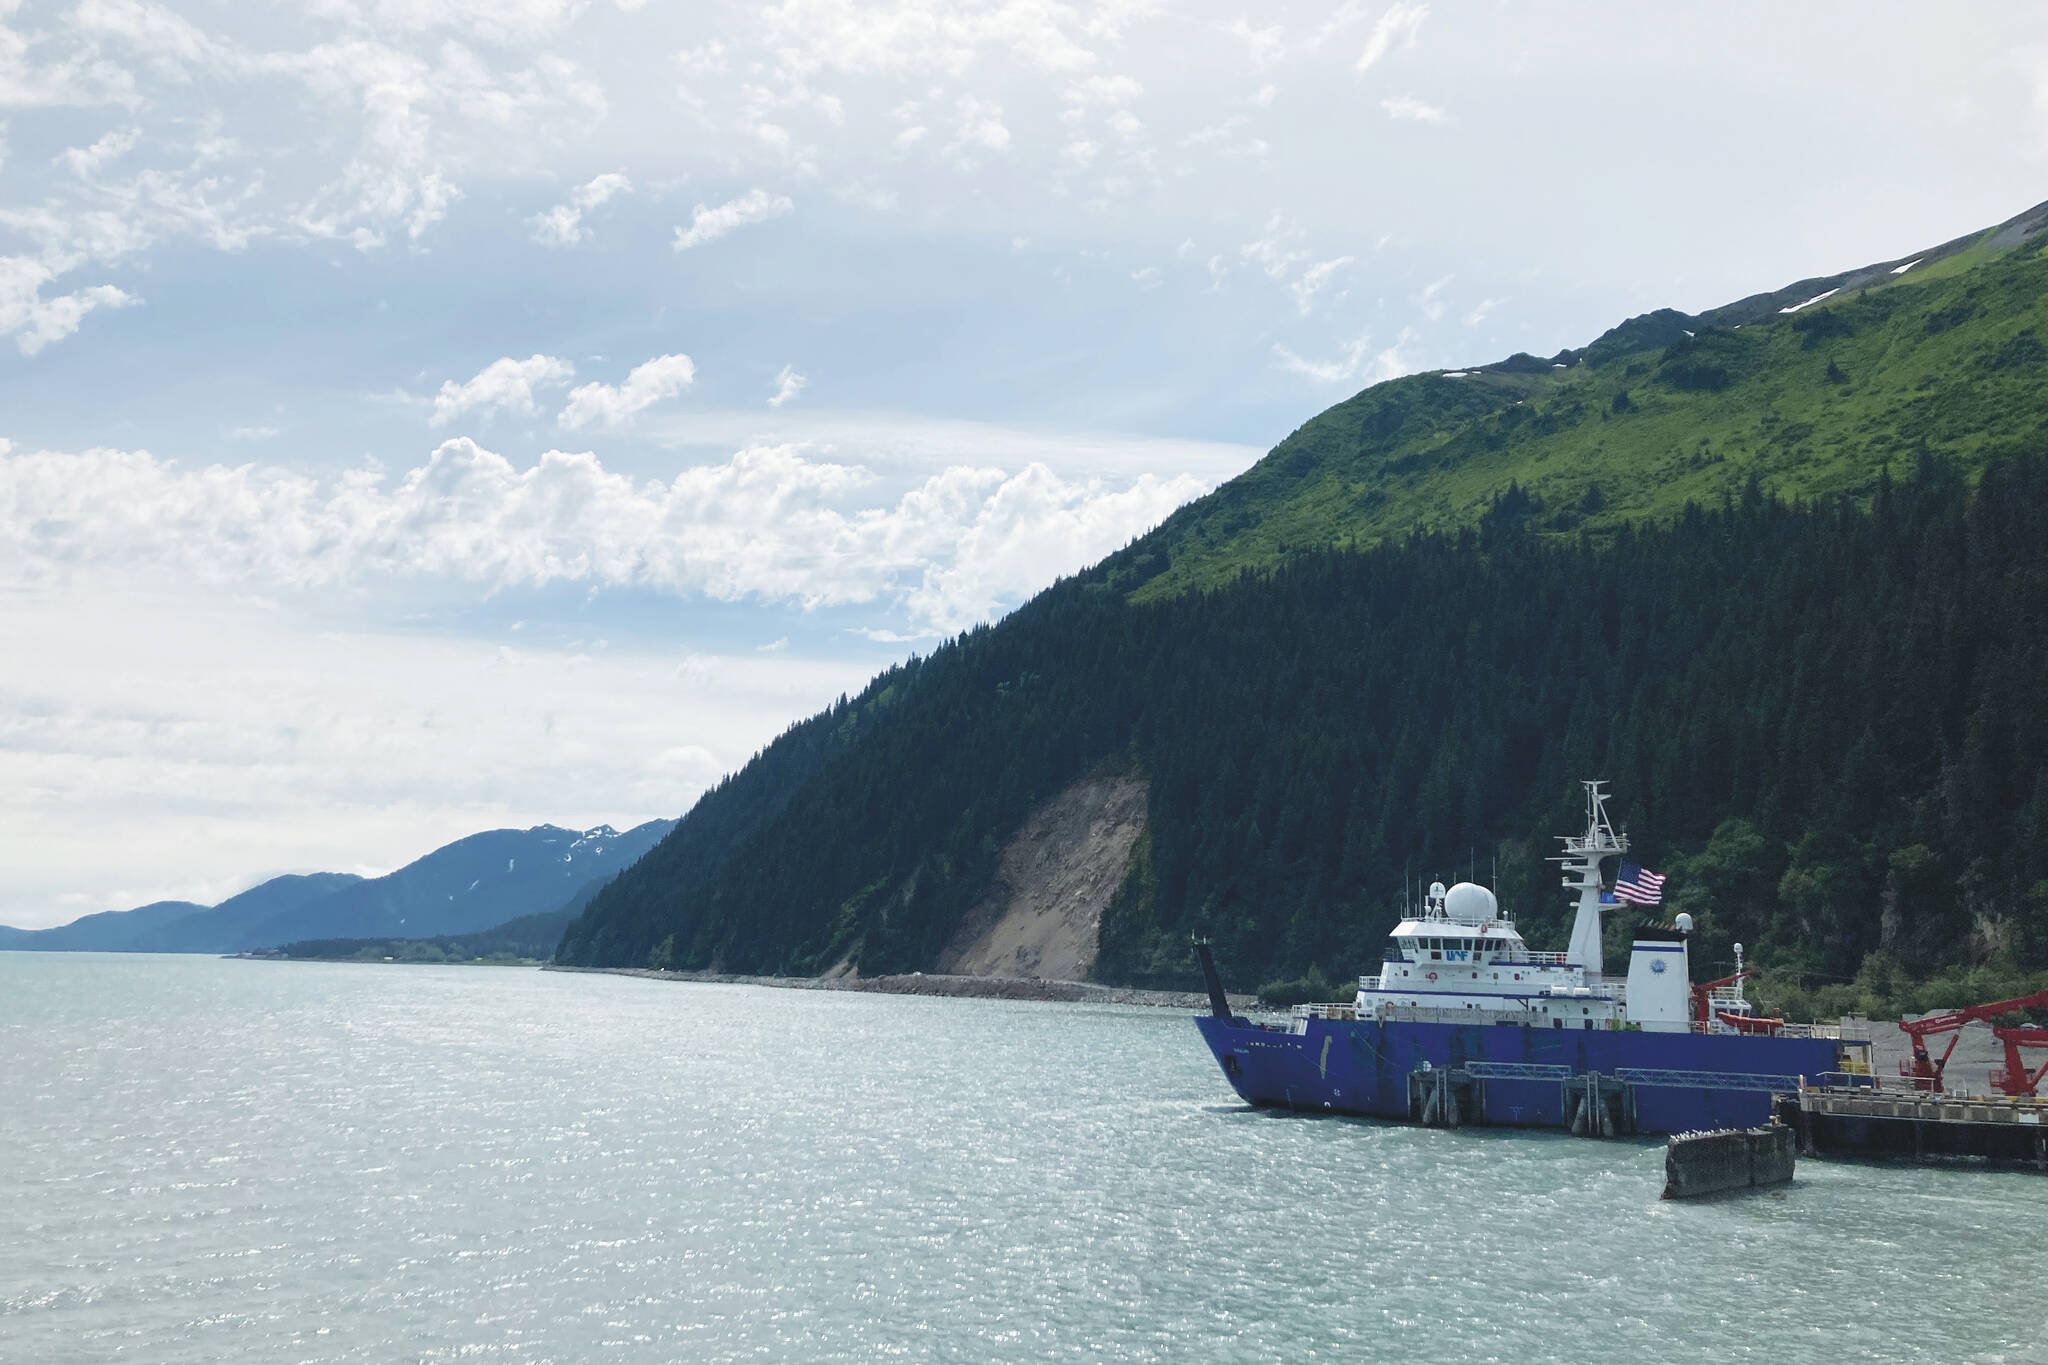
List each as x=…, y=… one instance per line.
x=527, y=938
x=470, y=885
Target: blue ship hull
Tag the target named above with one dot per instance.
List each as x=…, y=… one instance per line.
x=1678, y=1082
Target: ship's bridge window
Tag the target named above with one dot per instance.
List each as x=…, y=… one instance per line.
x=1397, y=950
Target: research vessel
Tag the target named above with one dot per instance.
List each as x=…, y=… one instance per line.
x=1465, y=1024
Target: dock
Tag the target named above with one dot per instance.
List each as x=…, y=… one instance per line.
x=1867, y=1121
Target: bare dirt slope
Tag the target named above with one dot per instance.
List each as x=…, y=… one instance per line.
x=1042, y=915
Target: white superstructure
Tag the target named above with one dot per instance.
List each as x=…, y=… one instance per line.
x=1459, y=957
x=1460, y=953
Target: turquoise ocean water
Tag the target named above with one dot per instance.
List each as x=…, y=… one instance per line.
x=206, y=1160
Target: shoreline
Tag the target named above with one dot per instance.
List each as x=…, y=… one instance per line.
x=931, y=983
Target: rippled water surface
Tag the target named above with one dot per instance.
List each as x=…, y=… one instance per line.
x=207, y=1160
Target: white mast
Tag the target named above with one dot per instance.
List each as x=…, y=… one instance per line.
x=1581, y=859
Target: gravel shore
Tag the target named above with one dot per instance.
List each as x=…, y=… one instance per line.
x=926, y=983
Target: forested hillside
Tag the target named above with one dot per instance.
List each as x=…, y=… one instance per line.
x=1810, y=664
x=1826, y=723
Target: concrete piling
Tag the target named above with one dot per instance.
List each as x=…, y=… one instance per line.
x=1729, y=1159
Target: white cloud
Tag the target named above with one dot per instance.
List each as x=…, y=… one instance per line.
x=705, y=59
x=34, y=321
x=984, y=535
x=33, y=76
x=1278, y=251
x=251, y=433
x=1229, y=138
x=1312, y=281
x=1429, y=302
x=917, y=36
x=496, y=21
x=981, y=128
x=1356, y=361
x=613, y=405
x=1262, y=46
x=1481, y=310
x=788, y=384
x=770, y=524
x=85, y=162
x=709, y=224
x=504, y=385
x=1407, y=109
x=562, y=225
x=1401, y=23
x=417, y=116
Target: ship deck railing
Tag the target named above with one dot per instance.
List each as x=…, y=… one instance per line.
x=1903, y=1087
x=1480, y=1014
x=1855, y=1031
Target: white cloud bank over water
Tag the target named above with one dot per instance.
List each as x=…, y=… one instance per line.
x=772, y=523
x=187, y=744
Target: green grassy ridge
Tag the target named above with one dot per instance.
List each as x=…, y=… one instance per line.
x=1950, y=358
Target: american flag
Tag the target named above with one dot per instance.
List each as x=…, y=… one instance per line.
x=1639, y=886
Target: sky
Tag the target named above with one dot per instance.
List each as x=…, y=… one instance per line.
x=426, y=416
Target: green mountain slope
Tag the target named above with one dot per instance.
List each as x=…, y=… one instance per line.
x=1948, y=357
x=1824, y=718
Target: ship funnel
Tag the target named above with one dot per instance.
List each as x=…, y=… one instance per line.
x=1219, y=1003
x=1660, y=979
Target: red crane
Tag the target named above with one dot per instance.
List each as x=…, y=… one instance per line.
x=1702, y=994
x=2013, y=1078
x=1924, y=1070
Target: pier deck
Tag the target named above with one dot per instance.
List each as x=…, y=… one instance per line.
x=1863, y=1122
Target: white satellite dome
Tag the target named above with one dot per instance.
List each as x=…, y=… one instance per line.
x=1467, y=903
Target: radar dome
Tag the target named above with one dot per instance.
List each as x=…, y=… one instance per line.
x=1470, y=904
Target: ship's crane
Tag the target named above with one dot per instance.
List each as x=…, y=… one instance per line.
x=1924, y=1070
x=2013, y=1078
x=1703, y=1002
